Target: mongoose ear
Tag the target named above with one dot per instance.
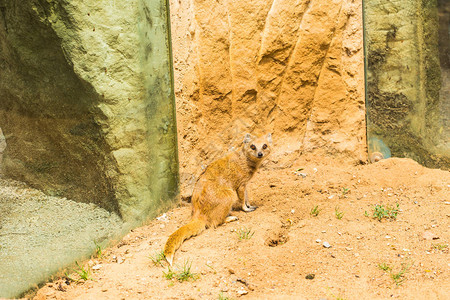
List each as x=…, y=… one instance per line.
x=247, y=138
x=269, y=138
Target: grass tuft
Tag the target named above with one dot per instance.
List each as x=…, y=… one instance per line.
x=339, y=214
x=380, y=212
x=398, y=277
x=315, y=211
x=84, y=274
x=98, y=250
x=385, y=267
x=222, y=297
x=183, y=275
x=158, y=258
x=245, y=234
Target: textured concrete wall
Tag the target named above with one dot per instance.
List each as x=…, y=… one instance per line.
x=294, y=68
x=87, y=101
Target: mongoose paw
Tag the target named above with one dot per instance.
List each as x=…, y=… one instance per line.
x=231, y=219
x=249, y=208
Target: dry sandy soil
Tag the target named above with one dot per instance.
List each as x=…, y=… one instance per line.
x=288, y=242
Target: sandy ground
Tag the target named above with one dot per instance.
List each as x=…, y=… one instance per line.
x=287, y=243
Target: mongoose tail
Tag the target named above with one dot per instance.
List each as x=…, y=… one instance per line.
x=193, y=228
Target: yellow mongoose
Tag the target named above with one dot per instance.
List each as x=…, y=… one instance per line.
x=219, y=189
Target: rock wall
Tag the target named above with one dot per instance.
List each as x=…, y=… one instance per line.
x=404, y=79
x=294, y=68
x=87, y=103
x=86, y=89
x=2, y=148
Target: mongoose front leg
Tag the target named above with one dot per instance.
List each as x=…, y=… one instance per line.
x=242, y=194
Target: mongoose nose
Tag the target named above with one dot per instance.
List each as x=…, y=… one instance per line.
x=260, y=154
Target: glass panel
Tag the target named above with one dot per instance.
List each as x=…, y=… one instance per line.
x=88, y=144
x=407, y=81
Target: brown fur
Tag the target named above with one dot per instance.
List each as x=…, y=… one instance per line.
x=220, y=188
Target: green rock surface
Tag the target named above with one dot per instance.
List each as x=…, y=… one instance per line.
x=87, y=117
x=87, y=104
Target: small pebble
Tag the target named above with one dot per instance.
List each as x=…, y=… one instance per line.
x=318, y=240
x=242, y=291
x=326, y=245
x=310, y=276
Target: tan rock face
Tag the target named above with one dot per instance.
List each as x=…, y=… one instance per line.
x=294, y=68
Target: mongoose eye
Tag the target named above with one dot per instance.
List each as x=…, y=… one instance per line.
x=264, y=146
x=253, y=147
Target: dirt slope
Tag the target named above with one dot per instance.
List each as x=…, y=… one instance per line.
x=285, y=246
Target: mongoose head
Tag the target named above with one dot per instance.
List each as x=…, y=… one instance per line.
x=257, y=148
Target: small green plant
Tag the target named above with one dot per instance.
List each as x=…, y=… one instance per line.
x=385, y=267
x=158, y=258
x=345, y=191
x=315, y=211
x=390, y=213
x=98, y=250
x=184, y=275
x=366, y=213
x=84, y=274
x=245, y=234
x=222, y=297
x=214, y=270
x=336, y=297
x=339, y=214
x=439, y=247
x=169, y=274
x=399, y=277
